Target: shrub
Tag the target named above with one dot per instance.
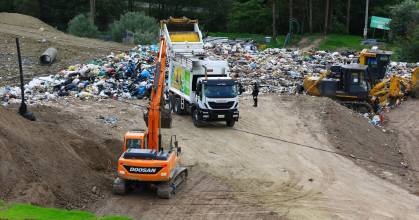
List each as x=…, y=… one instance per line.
x=145, y=28
x=81, y=26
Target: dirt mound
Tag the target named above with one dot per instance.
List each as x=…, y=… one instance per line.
x=374, y=148
x=36, y=37
x=55, y=161
x=24, y=21
x=405, y=121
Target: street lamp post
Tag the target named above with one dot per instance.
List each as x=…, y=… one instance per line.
x=366, y=20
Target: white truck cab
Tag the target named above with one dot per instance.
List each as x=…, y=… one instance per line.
x=197, y=85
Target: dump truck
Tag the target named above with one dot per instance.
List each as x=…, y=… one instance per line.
x=197, y=85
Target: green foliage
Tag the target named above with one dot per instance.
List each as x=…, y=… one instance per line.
x=405, y=30
x=23, y=211
x=249, y=16
x=341, y=41
x=409, y=48
x=145, y=28
x=29, y=7
x=337, y=27
x=404, y=17
x=81, y=26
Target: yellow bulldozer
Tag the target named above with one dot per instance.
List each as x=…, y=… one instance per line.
x=352, y=86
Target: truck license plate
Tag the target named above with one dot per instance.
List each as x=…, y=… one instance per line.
x=221, y=116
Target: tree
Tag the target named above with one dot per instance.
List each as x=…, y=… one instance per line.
x=29, y=7
x=290, y=9
x=273, y=20
x=92, y=11
x=145, y=28
x=250, y=16
x=310, y=15
x=326, y=17
x=404, y=17
x=82, y=27
x=405, y=29
x=348, y=15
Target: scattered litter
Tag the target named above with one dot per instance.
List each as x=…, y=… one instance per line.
x=110, y=120
x=129, y=75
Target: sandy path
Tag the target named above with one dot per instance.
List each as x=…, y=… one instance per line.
x=267, y=178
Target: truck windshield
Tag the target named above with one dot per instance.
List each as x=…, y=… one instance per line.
x=134, y=143
x=220, y=91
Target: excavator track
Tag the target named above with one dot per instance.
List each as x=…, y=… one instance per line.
x=165, y=190
x=119, y=186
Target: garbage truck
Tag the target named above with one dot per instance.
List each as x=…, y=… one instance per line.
x=197, y=85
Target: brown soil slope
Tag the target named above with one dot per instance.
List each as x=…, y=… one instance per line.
x=44, y=163
x=374, y=148
x=71, y=50
x=405, y=121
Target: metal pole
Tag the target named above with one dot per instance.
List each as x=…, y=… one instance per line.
x=23, y=110
x=366, y=20
x=22, y=89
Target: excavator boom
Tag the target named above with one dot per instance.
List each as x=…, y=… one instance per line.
x=154, y=113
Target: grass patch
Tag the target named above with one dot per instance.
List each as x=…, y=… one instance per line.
x=341, y=41
x=258, y=38
x=24, y=211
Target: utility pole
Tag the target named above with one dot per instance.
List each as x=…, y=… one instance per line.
x=366, y=20
x=92, y=11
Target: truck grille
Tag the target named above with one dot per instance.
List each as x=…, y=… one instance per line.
x=225, y=105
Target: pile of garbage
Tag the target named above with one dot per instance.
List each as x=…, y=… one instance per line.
x=122, y=76
x=277, y=70
x=129, y=75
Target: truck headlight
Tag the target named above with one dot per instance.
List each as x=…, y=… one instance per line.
x=122, y=172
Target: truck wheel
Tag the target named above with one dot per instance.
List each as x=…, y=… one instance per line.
x=177, y=106
x=195, y=118
x=230, y=123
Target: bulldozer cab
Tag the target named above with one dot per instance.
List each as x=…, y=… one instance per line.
x=352, y=83
x=377, y=62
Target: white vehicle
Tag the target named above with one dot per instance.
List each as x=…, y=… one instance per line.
x=197, y=85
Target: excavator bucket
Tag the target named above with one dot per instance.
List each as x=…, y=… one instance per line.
x=165, y=120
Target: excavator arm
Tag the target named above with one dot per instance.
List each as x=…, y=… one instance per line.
x=154, y=112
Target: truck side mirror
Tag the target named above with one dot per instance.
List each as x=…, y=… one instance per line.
x=176, y=144
x=179, y=150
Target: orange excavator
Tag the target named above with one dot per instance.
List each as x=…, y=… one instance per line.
x=144, y=162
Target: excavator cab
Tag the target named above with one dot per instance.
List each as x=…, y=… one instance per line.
x=133, y=140
x=377, y=62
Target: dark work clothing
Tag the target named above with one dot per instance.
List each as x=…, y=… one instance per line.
x=255, y=94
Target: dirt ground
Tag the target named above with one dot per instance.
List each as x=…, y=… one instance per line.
x=236, y=174
x=404, y=120
x=293, y=157
x=71, y=50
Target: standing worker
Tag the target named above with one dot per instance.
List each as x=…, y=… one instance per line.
x=255, y=94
